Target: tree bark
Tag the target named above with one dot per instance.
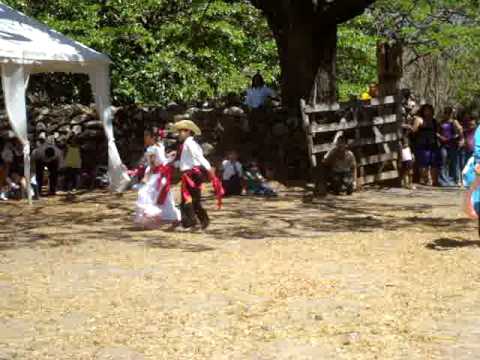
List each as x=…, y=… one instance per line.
x=306, y=36
x=307, y=55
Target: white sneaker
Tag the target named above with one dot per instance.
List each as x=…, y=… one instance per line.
x=3, y=197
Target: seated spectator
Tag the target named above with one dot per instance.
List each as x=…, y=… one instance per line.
x=256, y=183
x=232, y=174
x=3, y=181
x=341, y=168
x=12, y=156
x=259, y=93
x=16, y=188
x=49, y=156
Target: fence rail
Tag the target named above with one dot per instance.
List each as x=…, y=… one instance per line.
x=372, y=130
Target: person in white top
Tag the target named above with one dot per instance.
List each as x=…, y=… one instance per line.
x=259, y=93
x=193, y=166
x=232, y=174
x=156, y=204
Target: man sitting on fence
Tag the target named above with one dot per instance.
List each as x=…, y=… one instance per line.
x=341, y=168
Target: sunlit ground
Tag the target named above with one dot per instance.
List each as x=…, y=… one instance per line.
x=387, y=274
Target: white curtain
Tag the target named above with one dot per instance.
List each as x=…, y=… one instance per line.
x=14, y=80
x=100, y=81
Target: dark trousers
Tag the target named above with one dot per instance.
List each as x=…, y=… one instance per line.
x=192, y=211
x=341, y=182
x=232, y=186
x=52, y=175
x=71, y=178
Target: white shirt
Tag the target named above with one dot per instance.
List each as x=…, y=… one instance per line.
x=407, y=154
x=229, y=168
x=256, y=96
x=192, y=156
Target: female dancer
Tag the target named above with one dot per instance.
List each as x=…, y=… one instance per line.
x=156, y=204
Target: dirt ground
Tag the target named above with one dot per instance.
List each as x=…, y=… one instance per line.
x=385, y=274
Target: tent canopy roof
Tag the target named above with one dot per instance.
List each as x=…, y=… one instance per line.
x=24, y=40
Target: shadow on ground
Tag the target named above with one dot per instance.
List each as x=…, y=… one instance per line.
x=444, y=244
x=103, y=216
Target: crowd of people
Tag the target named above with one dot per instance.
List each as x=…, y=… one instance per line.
x=436, y=149
x=59, y=166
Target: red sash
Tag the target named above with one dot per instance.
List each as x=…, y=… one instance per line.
x=189, y=183
x=166, y=172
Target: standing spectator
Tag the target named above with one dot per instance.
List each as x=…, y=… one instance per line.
x=259, y=93
x=49, y=156
x=427, y=150
x=467, y=144
x=341, y=168
x=450, y=135
x=232, y=174
x=73, y=164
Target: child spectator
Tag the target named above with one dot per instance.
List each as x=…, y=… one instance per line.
x=73, y=164
x=407, y=164
x=341, y=168
x=256, y=183
x=232, y=174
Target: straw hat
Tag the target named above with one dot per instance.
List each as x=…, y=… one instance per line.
x=187, y=125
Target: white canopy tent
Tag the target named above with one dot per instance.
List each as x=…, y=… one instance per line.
x=26, y=47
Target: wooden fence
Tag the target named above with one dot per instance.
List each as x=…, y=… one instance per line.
x=372, y=130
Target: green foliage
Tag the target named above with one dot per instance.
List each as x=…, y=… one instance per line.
x=445, y=28
x=167, y=50
x=183, y=50
x=356, y=59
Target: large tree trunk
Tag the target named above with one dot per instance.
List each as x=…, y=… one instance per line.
x=306, y=35
x=307, y=54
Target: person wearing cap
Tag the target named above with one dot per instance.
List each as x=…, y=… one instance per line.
x=49, y=156
x=192, y=165
x=156, y=204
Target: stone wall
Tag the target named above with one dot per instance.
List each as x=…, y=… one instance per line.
x=271, y=136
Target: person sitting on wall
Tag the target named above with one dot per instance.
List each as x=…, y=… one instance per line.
x=341, y=167
x=259, y=93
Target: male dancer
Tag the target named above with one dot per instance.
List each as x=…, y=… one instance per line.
x=192, y=164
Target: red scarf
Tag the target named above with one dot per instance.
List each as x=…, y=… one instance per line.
x=188, y=182
x=166, y=172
